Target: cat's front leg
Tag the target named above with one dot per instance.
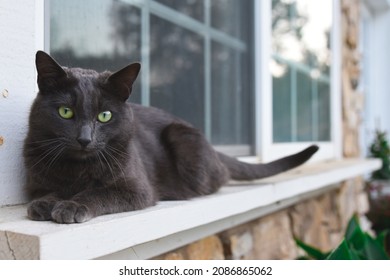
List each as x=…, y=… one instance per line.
x=40, y=209
x=94, y=202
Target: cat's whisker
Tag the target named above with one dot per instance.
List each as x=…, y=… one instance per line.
x=122, y=149
x=118, y=152
x=56, y=156
x=108, y=165
x=48, y=141
x=46, y=144
x=53, y=159
x=100, y=162
x=118, y=163
x=51, y=155
x=43, y=141
x=46, y=153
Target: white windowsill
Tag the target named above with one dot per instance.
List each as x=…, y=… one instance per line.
x=171, y=224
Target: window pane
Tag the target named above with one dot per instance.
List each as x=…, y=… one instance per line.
x=232, y=17
x=323, y=111
x=192, y=8
x=301, y=39
x=231, y=105
x=282, y=128
x=176, y=75
x=313, y=21
x=100, y=35
x=304, y=108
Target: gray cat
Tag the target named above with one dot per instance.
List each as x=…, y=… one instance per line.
x=89, y=152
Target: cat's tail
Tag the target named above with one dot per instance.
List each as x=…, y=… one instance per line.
x=244, y=171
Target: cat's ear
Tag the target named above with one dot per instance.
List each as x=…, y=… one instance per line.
x=122, y=80
x=50, y=73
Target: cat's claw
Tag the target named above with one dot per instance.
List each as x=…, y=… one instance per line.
x=68, y=212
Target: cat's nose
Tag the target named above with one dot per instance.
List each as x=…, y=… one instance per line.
x=85, y=136
x=84, y=141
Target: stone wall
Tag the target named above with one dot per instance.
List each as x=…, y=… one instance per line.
x=352, y=98
x=319, y=221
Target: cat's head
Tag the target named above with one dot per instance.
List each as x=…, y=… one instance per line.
x=80, y=113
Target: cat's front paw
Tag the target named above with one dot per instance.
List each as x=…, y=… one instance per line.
x=68, y=212
x=40, y=210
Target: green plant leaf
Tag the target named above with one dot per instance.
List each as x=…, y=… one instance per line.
x=381, y=237
x=356, y=239
x=380, y=149
x=352, y=227
x=373, y=250
x=313, y=252
x=365, y=246
x=356, y=245
x=343, y=252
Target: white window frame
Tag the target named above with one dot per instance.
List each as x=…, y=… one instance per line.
x=264, y=147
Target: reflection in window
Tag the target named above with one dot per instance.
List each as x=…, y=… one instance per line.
x=175, y=63
x=191, y=8
x=100, y=35
x=282, y=129
x=230, y=97
x=301, y=68
x=229, y=17
x=195, y=54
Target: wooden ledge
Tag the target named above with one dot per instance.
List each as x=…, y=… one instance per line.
x=171, y=224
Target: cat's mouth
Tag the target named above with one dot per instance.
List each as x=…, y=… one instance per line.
x=82, y=153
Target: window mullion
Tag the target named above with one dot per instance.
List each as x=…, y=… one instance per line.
x=238, y=101
x=294, y=104
x=315, y=109
x=145, y=54
x=207, y=72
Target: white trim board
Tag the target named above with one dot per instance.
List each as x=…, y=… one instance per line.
x=170, y=224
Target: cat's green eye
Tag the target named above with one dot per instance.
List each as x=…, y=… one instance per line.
x=65, y=112
x=105, y=116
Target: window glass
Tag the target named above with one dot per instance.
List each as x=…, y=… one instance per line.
x=196, y=56
x=230, y=102
x=282, y=105
x=176, y=71
x=100, y=35
x=301, y=50
x=323, y=111
x=231, y=17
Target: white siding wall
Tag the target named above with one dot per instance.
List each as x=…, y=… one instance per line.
x=380, y=71
x=375, y=46
x=19, y=22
